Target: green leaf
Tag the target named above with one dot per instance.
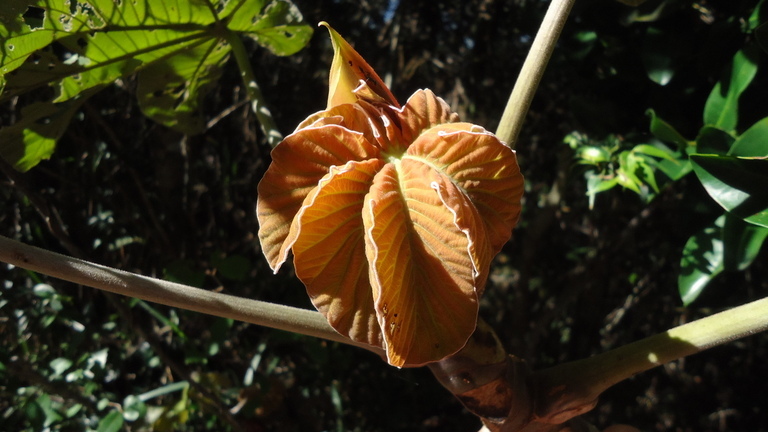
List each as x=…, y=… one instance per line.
x=739, y=185
x=675, y=167
x=645, y=172
x=234, y=267
x=655, y=152
x=170, y=92
x=593, y=155
x=59, y=366
x=133, y=408
x=278, y=27
x=596, y=184
x=702, y=260
x=105, y=40
x=722, y=106
x=626, y=173
x=761, y=34
x=713, y=140
x=753, y=142
x=178, y=46
x=665, y=132
x=742, y=242
x=112, y=422
x=34, y=137
x=160, y=317
x=660, y=55
x=758, y=15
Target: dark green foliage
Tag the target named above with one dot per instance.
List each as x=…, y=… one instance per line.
x=124, y=191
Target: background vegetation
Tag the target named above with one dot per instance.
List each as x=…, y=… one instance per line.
x=124, y=191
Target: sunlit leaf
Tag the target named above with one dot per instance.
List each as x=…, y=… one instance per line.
x=392, y=214
x=676, y=168
x=133, y=408
x=170, y=92
x=753, y=142
x=34, y=137
x=758, y=16
x=722, y=106
x=423, y=277
x=737, y=184
x=713, y=140
x=655, y=152
x=702, y=260
x=351, y=76
x=278, y=26
x=331, y=250
x=112, y=422
x=422, y=111
x=660, y=55
x=665, y=132
x=742, y=242
x=291, y=178
x=178, y=46
x=484, y=169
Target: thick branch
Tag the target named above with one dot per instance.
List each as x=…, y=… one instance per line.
x=280, y=317
x=565, y=389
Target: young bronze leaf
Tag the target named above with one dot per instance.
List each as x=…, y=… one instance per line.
x=330, y=248
x=351, y=76
x=424, y=110
x=357, y=117
x=298, y=164
x=483, y=167
x=421, y=273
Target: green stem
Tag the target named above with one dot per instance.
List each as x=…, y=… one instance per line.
x=302, y=321
x=258, y=105
x=533, y=68
x=567, y=387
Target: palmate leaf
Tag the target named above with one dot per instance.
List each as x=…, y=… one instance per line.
x=393, y=214
x=393, y=244
x=178, y=46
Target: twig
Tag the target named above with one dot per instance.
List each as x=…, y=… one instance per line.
x=172, y=294
x=532, y=70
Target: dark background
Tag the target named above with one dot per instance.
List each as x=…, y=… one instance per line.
x=571, y=283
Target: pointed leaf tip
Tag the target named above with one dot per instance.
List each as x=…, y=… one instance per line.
x=351, y=77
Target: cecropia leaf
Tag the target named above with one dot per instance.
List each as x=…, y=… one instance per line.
x=393, y=214
x=481, y=166
x=327, y=237
x=298, y=164
x=423, y=269
x=422, y=111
